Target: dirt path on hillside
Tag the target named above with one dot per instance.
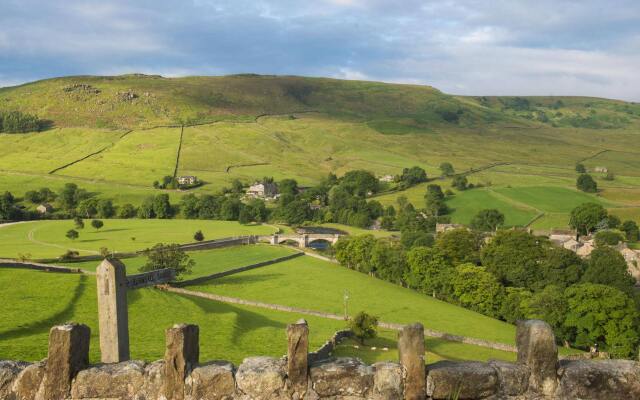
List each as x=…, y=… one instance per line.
x=32, y=239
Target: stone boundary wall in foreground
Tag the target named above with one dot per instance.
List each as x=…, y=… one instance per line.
x=537, y=374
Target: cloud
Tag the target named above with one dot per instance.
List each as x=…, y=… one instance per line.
x=460, y=46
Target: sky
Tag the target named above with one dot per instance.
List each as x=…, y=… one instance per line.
x=469, y=47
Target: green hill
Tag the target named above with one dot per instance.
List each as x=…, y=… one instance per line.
x=116, y=135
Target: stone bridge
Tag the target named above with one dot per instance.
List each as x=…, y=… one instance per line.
x=303, y=240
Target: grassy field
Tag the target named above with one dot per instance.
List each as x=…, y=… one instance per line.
x=46, y=239
x=319, y=285
x=227, y=332
x=208, y=261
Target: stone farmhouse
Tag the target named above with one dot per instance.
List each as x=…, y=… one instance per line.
x=387, y=178
x=44, y=208
x=603, y=170
x=263, y=190
x=187, y=180
x=441, y=228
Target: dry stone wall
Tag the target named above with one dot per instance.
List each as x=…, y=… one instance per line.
x=66, y=373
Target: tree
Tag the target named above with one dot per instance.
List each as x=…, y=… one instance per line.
x=608, y=267
x=97, y=224
x=146, y=208
x=359, y=183
x=460, y=182
x=604, y=315
x=162, y=207
x=198, y=236
x=477, y=289
x=9, y=210
x=487, y=220
x=434, y=200
x=586, y=217
x=127, y=211
x=296, y=212
x=189, y=206
x=560, y=267
x=364, y=326
x=389, y=260
x=237, y=186
x=459, y=246
x=412, y=176
x=514, y=257
x=550, y=305
x=245, y=216
x=631, y=230
x=355, y=252
x=70, y=196
x=163, y=256
x=515, y=304
x=88, y=208
x=447, y=169
x=586, y=183
x=613, y=221
x=105, y=208
x=72, y=234
x=78, y=222
x=230, y=208
x=429, y=272
x=288, y=186
x=608, y=238
x=413, y=238
x=580, y=168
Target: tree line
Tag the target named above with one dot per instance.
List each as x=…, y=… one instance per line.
x=514, y=276
x=19, y=122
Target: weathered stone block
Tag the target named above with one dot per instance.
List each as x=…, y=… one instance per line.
x=211, y=381
x=113, y=317
x=154, y=380
x=180, y=357
x=68, y=354
x=537, y=350
x=467, y=380
x=297, y=353
x=605, y=379
x=9, y=372
x=341, y=377
x=411, y=354
x=28, y=382
x=261, y=377
x=122, y=380
x=513, y=378
x=387, y=381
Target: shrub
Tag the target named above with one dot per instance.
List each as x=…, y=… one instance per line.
x=163, y=256
x=199, y=236
x=586, y=183
x=364, y=326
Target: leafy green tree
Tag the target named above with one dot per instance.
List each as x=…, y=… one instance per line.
x=105, y=208
x=88, y=208
x=560, y=267
x=631, y=230
x=9, y=210
x=237, y=186
x=460, y=182
x=447, y=169
x=97, y=224
x=163, y=256
x=288, y=186
x=608, y=238
x=389, y=260
x=127, y=211
x=613, y=222
x=580, y=168
x=412, y=176
x=429, y=272
x=514, y=257
x=296, y=212
x=198, y=236
x=608, y=267
x=416, y=238
x=604, y=315
x=487, y=220
x=189, y=206
x=364, y=326
x=515, y=305
x=586, y=217
x=245, y=216
x=70, y=196
x=19, y=122
x=258, y=210
x=550, y=305
x=388, y=223
x=209, y=207
x=145, y=211
x=230, y=209
x=355, y=252
x=78, y=222
x=477, y=289
x=359, y=183
x=161, y=206
x=72, y=234
x=434, y=200
x=459, y=246
x=586, y=183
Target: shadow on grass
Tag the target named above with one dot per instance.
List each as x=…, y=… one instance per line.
x=111, y=230
x=240, y=279
x=246, y=322
x=45, y=324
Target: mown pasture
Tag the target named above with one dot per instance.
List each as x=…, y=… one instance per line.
x=46, y=239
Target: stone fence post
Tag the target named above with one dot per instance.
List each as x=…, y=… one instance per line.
x=537, y=350
x=297, y=353
x=68, y=354
x=181, y=356
x=111, y=279
x=411, y=354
